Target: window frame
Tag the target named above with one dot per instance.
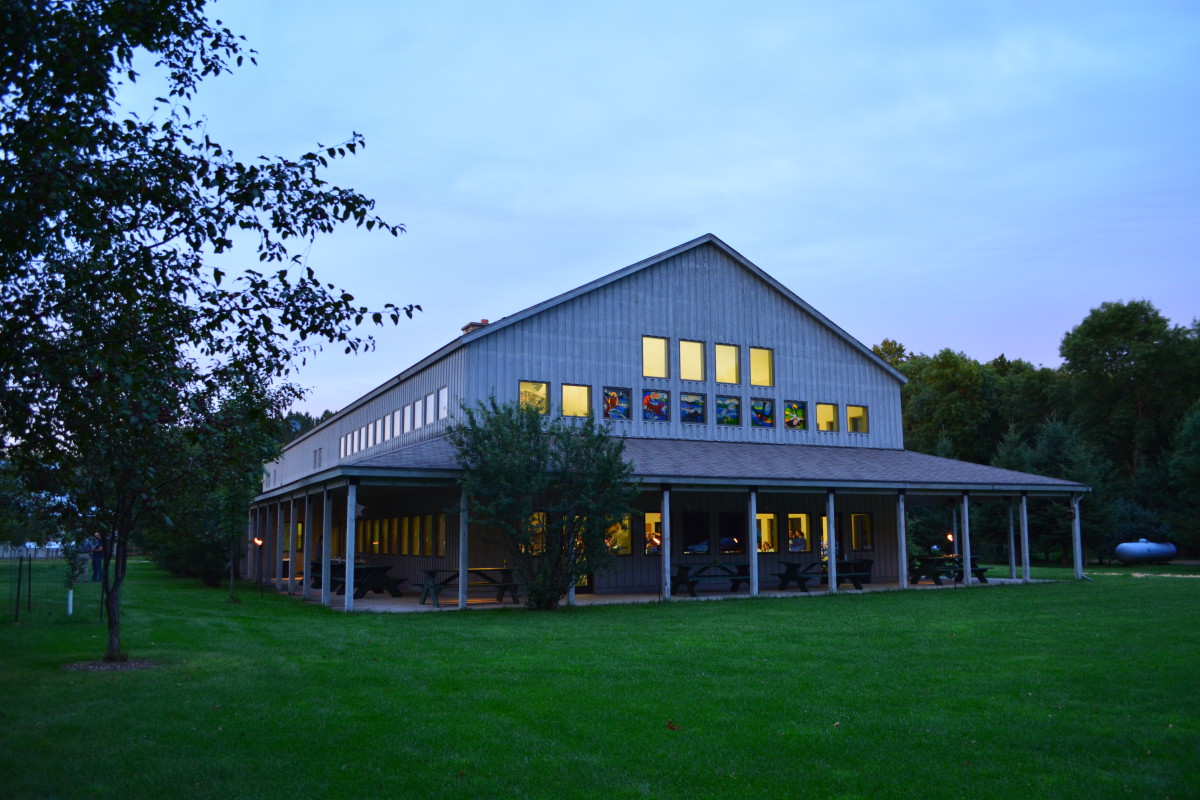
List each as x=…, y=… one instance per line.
x=562, y=396
x=682, y=361
x=866, y=420
x=834, y=418
x=666, y=356
x=521, y=391
x=720, y=347
x=770, y=367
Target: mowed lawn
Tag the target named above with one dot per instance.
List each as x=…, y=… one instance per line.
x=1080, y=690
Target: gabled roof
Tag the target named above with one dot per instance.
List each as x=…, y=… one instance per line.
x=612, y=277
x=766, y=466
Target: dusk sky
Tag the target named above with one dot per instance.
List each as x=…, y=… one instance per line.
x=973, y=175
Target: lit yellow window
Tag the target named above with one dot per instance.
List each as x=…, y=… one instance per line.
x=861, y=537
x=576, y=400
x=536, y=394
x=799, y=535
x=827, y=416
x=653, y=533
x=856, y=419
x=620, y=538
x=768, y=533
x=727, y=363
x=691, y=361
x=762, y=367
x=654, y=357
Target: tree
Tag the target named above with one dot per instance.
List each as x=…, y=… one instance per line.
x=123, y=328
x=892, y=352
x=945, y=402
x=551, y=489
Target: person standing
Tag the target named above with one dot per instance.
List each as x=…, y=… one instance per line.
x=97, y=557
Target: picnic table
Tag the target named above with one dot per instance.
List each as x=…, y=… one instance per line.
x=690, y=574
x=934, y=568
x=367, y=578
x=817, y=571
x=498, y=578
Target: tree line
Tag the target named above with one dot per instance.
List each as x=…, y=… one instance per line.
x=1122, y=414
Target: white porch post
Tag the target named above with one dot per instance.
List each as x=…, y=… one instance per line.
x=463, y=560
x=665, y=544
x=326, y=545
x=1076, y=537
x=306, y=583
x=351, y=530
x=291, y=578
x=1012, y=551
x=279, y=529
x=753, y=514
x=1024, y=537
x=831, y=535
x=902, y=538
x=966, y=538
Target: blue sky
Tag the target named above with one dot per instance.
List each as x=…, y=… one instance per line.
x=974, y=175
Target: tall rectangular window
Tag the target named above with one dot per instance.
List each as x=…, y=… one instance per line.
x=762, y=367
x=653, y=533
x=654, y=357
x=408, y=418
x=827, y=416
x=861, y=537
x=430, y=408
x=443, y=402
x=768, y=533
x=691, y=361
x=856, y=419
x=396, y=423
x=418, y=408
x=576, y=400
x=536, y=394
x=342, y=447
x=728, y=368
x=387, y=427
x=619, y=538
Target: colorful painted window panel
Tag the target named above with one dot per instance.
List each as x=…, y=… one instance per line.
x=691, y=407
x=616, y=403
x=656, y=405
x=762, y=412
x=795, y=415
x=729, y=410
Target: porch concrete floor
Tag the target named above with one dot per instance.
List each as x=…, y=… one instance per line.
x=409, y=603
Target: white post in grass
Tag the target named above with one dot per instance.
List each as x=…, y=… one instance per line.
x=306, y=581
x=665, y=542
x=1012, y=551
x=831, y=536
x=1024, y=537
x=966, y=538
x=351, y=530
x=753, y=543
x=902, y=538
x=326, y=545
x=1076, y=537
x=279, y=529
x=291, y=528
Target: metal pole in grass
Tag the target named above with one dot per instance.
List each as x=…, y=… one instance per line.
x=258, y=557
x=20, y=575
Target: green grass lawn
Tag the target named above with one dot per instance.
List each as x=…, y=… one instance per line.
x=1068, y=689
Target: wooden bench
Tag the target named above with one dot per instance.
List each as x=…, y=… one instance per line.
x=368, y=578
x=800, y=574
x=498, y=578
x=735, y=582
x=691, y=574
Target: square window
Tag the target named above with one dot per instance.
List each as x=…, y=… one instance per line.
x=536, y=394
x=654, y=357
x=656, y=405
x=762, y=367
x=619, y=538
x=762, y=412
x=827, y=416
x=616, y=403
x=795, y=415
x=728, y=368
x=576, y=400
x=799, y=538
x=729, y=410
x=691, y=407
x=856, y=419
x=691, y=361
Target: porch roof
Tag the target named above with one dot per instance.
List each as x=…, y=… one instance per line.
x=683, y=463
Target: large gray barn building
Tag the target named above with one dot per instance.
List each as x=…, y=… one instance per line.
x=751, y=419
